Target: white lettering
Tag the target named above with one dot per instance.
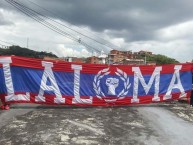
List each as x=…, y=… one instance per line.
x=138, y=76
x=77, y=99
x=48, y=74
x=9, y=83
x=178, y=85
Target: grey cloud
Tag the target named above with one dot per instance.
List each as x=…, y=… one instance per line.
x=3, y=21
x=138, y=19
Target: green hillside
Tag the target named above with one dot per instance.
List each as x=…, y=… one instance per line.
x=159, y=59
x=19, y=51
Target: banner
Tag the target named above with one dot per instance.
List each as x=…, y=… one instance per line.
x=27, y=80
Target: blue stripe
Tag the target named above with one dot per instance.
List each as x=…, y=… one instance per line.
x=29, y=80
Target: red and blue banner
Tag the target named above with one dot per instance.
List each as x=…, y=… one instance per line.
x=27, y=80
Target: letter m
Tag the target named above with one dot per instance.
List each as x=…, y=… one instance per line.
x=139, y=77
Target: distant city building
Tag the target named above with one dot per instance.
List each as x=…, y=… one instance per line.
x=114, y=57
x=93, y=60
x=3, y=46
x=144, y=52
x=134, y=61
x=68, y=59
x=74, y=59
x=103, y=58
x=50, y=58
x=129, y=58
x=117, y=56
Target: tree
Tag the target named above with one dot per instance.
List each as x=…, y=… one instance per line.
x=19, y=51
x=161, y=59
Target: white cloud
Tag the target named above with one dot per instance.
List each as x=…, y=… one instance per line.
x=179, y=31
x=181, y=50
x=64, y=51
x=40, y=38
x=118, y=42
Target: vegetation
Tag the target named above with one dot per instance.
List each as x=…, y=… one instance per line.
x=19, y=51
x=161, y=59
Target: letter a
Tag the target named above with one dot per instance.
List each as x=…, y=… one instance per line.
x=178, y=85
x=48, y=73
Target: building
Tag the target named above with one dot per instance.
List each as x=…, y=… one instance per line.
x=103, y=58
x=74, y=59
x=93, y=60
x=3, y=46
x=134, y=62
x=144, y=52
x=117, y=56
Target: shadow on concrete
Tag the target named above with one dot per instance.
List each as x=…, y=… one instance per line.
x=35, y=106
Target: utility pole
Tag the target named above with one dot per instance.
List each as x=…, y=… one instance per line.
x=27, y=42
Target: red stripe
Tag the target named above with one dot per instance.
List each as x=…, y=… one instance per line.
x=97, y=102
x=94, y=68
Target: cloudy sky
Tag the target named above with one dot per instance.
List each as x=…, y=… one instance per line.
x=163, y=27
